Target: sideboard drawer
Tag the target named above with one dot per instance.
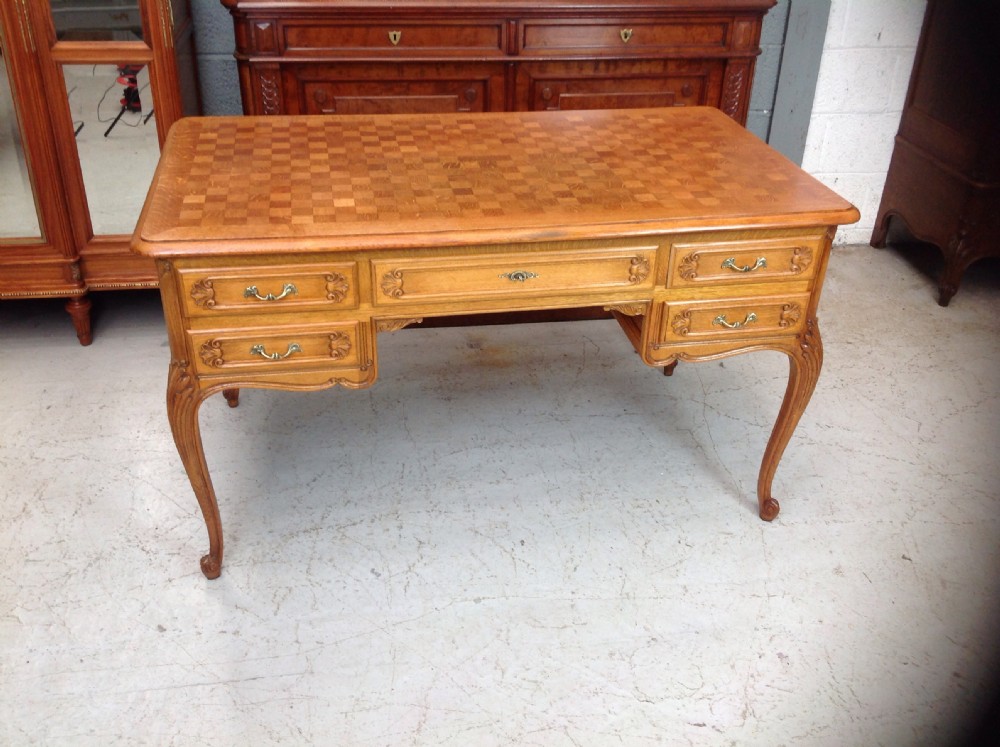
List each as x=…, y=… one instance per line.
x=385, y=37
x=291, y=288
x=738, y=318
x=271, y=349
x=757, y=260
x=479, y=278
x=630, y=37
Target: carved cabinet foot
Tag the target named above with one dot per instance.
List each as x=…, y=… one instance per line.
x=78, y=309
x=232, y=397
x=805, y=358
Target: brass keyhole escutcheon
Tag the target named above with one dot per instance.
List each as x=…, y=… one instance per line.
x=395, y=36
x=625, y=34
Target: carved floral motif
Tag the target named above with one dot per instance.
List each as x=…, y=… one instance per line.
x=628, y=309
x=790, y=315
x=270, y=97
x=203, y=293
x=688, y=267
x=211, y=353
x=336, y=287
x=340, y=345
x=681, y=323
x=393, y=325
x=638, y=270
x=392, y=283
x=802, y=257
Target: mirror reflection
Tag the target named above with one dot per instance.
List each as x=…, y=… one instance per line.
x=97, y=20
x=115, y=129
x=18, y=213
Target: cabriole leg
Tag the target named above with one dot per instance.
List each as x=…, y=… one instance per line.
x=183, y=403
x=805, y=358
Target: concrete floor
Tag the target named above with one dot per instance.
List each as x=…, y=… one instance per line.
x=519, y=536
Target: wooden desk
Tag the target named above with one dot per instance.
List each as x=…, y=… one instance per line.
x=286, y=245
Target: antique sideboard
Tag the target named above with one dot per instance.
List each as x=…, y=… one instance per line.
x=412, y=56
x=286, y=245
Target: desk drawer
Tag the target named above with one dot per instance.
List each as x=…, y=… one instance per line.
x=388, y=38
x=274, y=289
x=738, y=318
x=485, y=277
x=754, y=261
x=557, y=38
x=274, y=349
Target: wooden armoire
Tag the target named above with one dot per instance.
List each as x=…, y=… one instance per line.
x=944, y=177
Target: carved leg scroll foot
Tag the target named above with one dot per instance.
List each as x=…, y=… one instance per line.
x=183, y=402
x=232, y=397
x=769, y=508
x=805, y=358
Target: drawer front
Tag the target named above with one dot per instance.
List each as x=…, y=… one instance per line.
x=274, y=349
x=416, y=88
x=484, y=277
x=617, y=84
x=599, y=37
x=738, y=318
x=385, y=38
x=760, y=260
x=279, y=289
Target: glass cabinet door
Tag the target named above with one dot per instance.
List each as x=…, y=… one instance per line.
x=18, y=209
x=114, y=127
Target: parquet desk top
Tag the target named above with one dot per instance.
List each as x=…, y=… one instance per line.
x=360, y=181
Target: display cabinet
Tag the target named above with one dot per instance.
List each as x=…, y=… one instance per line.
x=88, y=92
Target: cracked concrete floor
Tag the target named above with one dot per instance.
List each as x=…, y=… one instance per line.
x=519, y=536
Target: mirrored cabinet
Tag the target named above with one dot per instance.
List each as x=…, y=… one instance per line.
x=88, y=91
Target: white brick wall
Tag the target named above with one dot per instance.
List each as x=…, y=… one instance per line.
x=864, y=71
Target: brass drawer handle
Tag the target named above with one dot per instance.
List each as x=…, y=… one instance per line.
x=758, y=265
x=721, y=321
x=625, y=34
x=395, y=37
x=259, y=350
x=252, y=292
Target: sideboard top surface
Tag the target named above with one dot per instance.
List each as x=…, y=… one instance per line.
x=355, y=182
x=540, y=6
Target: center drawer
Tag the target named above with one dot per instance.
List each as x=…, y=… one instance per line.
x=487, y=276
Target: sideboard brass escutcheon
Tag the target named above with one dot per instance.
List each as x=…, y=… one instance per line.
x=519, y=276
x=395, y=37
x=721, y=321
x=730, y=264
x=625, y=34
x=293, y=348
x=288, y=289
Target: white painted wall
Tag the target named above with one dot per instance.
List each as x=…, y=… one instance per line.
x=863, y=75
